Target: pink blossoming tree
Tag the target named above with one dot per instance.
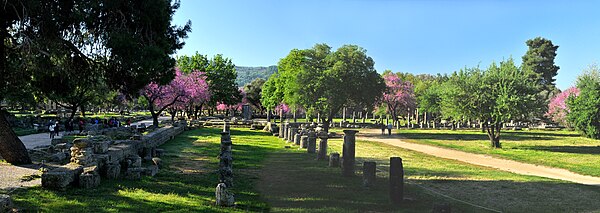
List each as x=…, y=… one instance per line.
x=185, y=88
x=398, y=96
x=558, y=109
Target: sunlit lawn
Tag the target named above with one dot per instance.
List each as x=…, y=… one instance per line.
x=269, y=177
x=562, y=149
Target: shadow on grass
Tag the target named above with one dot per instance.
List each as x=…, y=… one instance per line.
x=169, y=190
x=294, y=182
x=564, y=149
x=472, y=136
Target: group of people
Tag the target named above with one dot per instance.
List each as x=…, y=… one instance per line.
x=55, y=126
x=388, y=127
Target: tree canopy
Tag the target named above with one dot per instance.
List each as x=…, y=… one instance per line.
x=497, y=95
x=584, y=109
x=322, y=81
x=75, y=46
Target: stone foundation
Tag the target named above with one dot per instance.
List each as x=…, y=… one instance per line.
x=94, y=158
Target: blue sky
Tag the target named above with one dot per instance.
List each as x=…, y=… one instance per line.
x=430, y=36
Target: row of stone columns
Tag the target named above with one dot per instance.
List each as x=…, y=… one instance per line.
x=223, y=193
x=305, y=137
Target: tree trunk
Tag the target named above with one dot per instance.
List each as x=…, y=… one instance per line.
x=493, y=131
x=364, y=118
x=295, y=119
x=82, y=111
x=268, y=115
x=73, y=111
x=11, y=147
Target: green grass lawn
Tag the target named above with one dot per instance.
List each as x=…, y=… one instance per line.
x=561, y=149
x=186, y=184
x=296, y=182
x=269, y=177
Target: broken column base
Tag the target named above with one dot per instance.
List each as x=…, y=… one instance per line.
x=225, y=198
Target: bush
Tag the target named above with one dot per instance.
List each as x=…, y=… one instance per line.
x=585, y=108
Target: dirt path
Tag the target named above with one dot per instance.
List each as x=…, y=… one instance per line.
x=479, y=159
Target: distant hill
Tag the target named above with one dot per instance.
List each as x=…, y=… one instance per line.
x=246, y=75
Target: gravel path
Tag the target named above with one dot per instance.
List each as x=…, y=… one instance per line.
x=482, y=160
x=10, y=176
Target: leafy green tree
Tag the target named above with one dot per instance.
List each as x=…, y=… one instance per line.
x=220, y=73
x=584, y=111
x=496, y=95
x=50, y=42
x=322, y=81
x=271, y=95
x=539, y=58
x=253, y=93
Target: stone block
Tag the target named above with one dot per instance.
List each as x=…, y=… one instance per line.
x=81, y=143
x=115, y=154
x=89, y=178
x=136, y=161
x=63, y=147
x=159, y=152
x=61, y=177
x=151, y=170
x=101, y=159
x=58, y=157
x=134, y=173
x=112, y=171
x=101, y=147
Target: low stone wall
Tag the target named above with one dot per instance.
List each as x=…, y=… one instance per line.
x=94, y=158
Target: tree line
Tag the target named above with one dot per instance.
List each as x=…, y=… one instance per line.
x=320, y=82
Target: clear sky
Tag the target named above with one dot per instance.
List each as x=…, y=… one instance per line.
x=429, y=36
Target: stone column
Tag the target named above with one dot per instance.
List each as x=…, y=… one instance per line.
x=312, y=142
x=297, y=138
x=322, y=154
x=226, y=128
x=369, y=173
x=226, y=161
x=293, y=132
x=280, y=130
x=396, y=180
x=348, y=154
x=334, y=159
x=304, y=141
x=224, y=197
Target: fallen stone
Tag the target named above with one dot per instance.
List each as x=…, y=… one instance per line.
x=136, y=161
x=61, y=177
x=159, y=152
x=114, y=154
x=89, y=178
x=151, y=170
x=58, y=157
x=134, y=173
x=112, y=171
x=81, y=143
x=101, y=147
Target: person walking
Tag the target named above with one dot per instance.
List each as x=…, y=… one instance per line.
x=389, y=127
x=51, y=129
x=57, y=128
x=382, y=128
